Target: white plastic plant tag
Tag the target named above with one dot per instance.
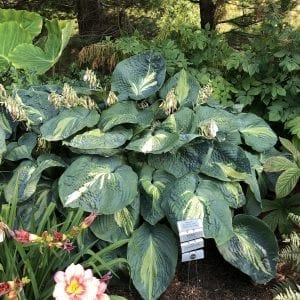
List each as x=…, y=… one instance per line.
x=192, y=245
x=190, y=230
x=193, y=255
x=187, y=225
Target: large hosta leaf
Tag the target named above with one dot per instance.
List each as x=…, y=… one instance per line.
x=153, y=183
x=139, y=76
x=158, y=141
x=26, y=176
x=105, y=185
x=23, y=148
x=223, y=161
x=29, y=21
x=124, y=113
x=227, y=122
x=118, y=226
x=68, y=122
x=256, y=132
x=2, y=144
x=253, y=249
x=191, y=197
x=152, y=257
x=186, y=88
x=5, y=123
x=37, y=106
x=35, y=59
x=96, y=138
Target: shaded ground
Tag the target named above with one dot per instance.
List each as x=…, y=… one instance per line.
x=208, y=279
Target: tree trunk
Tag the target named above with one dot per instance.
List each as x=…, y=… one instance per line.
x=88, y=16
x=207, y=14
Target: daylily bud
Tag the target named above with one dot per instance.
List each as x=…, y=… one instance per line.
x=87, y=222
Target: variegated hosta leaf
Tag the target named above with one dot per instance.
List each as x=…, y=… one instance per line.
x=104, y=185
x=256, y=132
x=37, y=106
x=286, y=182
x=139, y=76
x=118, y=226
x=253, y=249
x=68, y=122
x=98, y=151
x=191, y=197
x=185, y=86
x=23, y=148
x=152, y=257
x=96, y=138
x=156, y=142
x=124, y=113
x=223, y=161
x=226, y=122
x=26, y=176
x=2, y=144
x=153, y=183
x=182, y=121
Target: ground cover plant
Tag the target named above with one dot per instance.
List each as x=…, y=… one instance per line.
x=148, y=153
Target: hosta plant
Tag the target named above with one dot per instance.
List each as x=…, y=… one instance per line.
x=149, y=153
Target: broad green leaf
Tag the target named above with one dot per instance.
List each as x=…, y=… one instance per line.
x=153, y=183
x=118, y=226
x=185, y=86
x=152, y=257
x=276, y=213
x=104, y=185
x=23, y=183
x=106, y=152
x=2, y=144
x=227, y=122
x=139, y=76
x=223, y=161
x=68, y=122
x=123, y=113
x=115, y=297
x=278, y=164
x=26, y=176
x=37, y=106
x=30, y=21
x=35, y=59
x=182, y=121
x=256, y=132
x=11, y=35
x=290, y=147
x=191, y=197
x=96, y=138
x=156, y=142
x=23, y=148
x=253, y=249
x=286, y=182
x=5, y=123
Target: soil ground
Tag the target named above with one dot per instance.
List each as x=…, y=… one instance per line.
x=209, y=279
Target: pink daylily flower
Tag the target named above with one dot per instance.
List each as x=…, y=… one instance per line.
x=76, y=284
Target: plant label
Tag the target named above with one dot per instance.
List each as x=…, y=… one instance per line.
x=192, y=245
x=193, y=255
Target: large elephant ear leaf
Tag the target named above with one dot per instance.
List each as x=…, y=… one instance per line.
x=152, y=257
x=104, y=185
x=68, y=122
x=190, y=197
x=153, y=183
x=139, y=76
x=118, y=226
x=256, y=132
x=253, y=249
x=29, y=21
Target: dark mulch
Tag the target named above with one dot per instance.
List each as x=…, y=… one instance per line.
x=209, y=279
